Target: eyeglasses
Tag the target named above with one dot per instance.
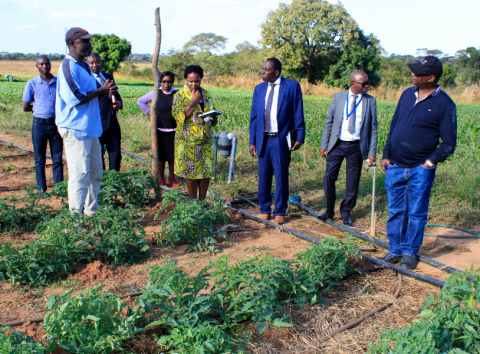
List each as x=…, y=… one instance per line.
x=166, y=81
x=366, y=83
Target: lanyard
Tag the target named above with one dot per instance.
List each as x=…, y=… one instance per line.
x=354, y=108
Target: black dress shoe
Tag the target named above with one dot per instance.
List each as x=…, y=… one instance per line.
x=347, y=221
x=409, y=261
x=390, y=258
x=324, y=216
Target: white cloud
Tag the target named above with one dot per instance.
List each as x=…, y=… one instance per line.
x=387, y=19
x=25, y=27
x=27, y=4
x=71, y=14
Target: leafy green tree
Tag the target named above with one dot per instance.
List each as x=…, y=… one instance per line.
x=17, y=56
x=205, y=42
x=176, y=61
x=112, y=50
x=394, y=72
x=312, y=35
x=246, y=60
x=470, y=60
x=448, y=76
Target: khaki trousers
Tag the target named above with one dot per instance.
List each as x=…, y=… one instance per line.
x=85, y=171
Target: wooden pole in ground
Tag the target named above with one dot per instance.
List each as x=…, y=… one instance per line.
x=156, y=87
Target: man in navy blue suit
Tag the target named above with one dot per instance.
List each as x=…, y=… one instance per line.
x=112, y=134
x=277, y=127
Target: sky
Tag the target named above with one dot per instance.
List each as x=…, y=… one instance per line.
x=32, y=26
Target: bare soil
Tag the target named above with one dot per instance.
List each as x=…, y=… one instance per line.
x=343, y=303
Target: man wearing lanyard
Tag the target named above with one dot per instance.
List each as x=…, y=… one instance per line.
x=112, y=135
x=350, y=133
x=41, y=92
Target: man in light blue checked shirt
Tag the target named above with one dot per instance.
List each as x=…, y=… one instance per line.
x=79, y=122
x=39, y=98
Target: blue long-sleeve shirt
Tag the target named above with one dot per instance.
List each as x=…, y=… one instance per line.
x=416, y=128
x=74, y=81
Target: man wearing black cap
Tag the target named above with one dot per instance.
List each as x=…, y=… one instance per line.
x=424, y=115
x=79, y=122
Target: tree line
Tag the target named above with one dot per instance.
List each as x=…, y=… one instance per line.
x=316, y=41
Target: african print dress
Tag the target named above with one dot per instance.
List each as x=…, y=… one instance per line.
x=194, y=137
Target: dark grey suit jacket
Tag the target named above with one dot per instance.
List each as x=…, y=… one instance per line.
x=333, y=124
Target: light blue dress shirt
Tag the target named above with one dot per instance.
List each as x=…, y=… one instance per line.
x=74, y=81
x=42, y=95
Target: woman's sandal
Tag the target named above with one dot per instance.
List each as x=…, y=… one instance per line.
x=173, y=183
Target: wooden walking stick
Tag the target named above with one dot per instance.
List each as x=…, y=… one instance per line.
x=156, y=87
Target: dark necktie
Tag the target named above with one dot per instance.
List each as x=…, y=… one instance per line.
x=100, y=80
x=351, y=119
x=268, y=109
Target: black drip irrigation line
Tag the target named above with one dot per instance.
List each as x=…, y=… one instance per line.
x=135, y=156
x=376, y=261
x=19, y=155
x=22, y=148
x=376, y=241
x=20, y=188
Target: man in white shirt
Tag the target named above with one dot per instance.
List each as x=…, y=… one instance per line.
x=350, y=133
x=277, y=114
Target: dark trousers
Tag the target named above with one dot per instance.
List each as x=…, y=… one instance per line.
x=352, y=154
x=111, y=138
x=43, y=131
x=273, y=162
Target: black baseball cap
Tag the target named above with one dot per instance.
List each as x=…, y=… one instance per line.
x=77, y=33
x=429, y=65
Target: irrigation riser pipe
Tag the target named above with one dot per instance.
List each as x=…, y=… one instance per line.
x=407, y=272
x=376, y=241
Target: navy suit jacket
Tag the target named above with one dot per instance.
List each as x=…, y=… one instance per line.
x=108, y=114
x=289, y=114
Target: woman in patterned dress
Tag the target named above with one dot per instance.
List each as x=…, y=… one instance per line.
x=194, y=136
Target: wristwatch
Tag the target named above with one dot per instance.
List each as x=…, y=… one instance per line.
x=430, y=164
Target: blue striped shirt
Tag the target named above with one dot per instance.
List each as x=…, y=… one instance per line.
x=42, y=95
x=74, y=82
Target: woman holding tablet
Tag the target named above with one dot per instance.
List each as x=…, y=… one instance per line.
x=194, y=135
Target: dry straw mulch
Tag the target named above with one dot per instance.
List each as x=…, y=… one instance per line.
x=356, y=296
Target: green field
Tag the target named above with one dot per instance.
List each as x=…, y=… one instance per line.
x=455, y=197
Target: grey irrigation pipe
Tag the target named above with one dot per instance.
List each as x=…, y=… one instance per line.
x=383, y=244
x=407, y=272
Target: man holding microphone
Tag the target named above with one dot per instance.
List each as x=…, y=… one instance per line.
x=79, y=122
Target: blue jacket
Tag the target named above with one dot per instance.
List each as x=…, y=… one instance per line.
x=289, y=114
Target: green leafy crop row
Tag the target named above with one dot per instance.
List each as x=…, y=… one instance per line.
x=192, y=222
x=70, y=239
x=130, y=189
x=449, y=323
x=197, y=315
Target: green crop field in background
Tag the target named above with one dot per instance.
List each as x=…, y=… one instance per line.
x=456, y=193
